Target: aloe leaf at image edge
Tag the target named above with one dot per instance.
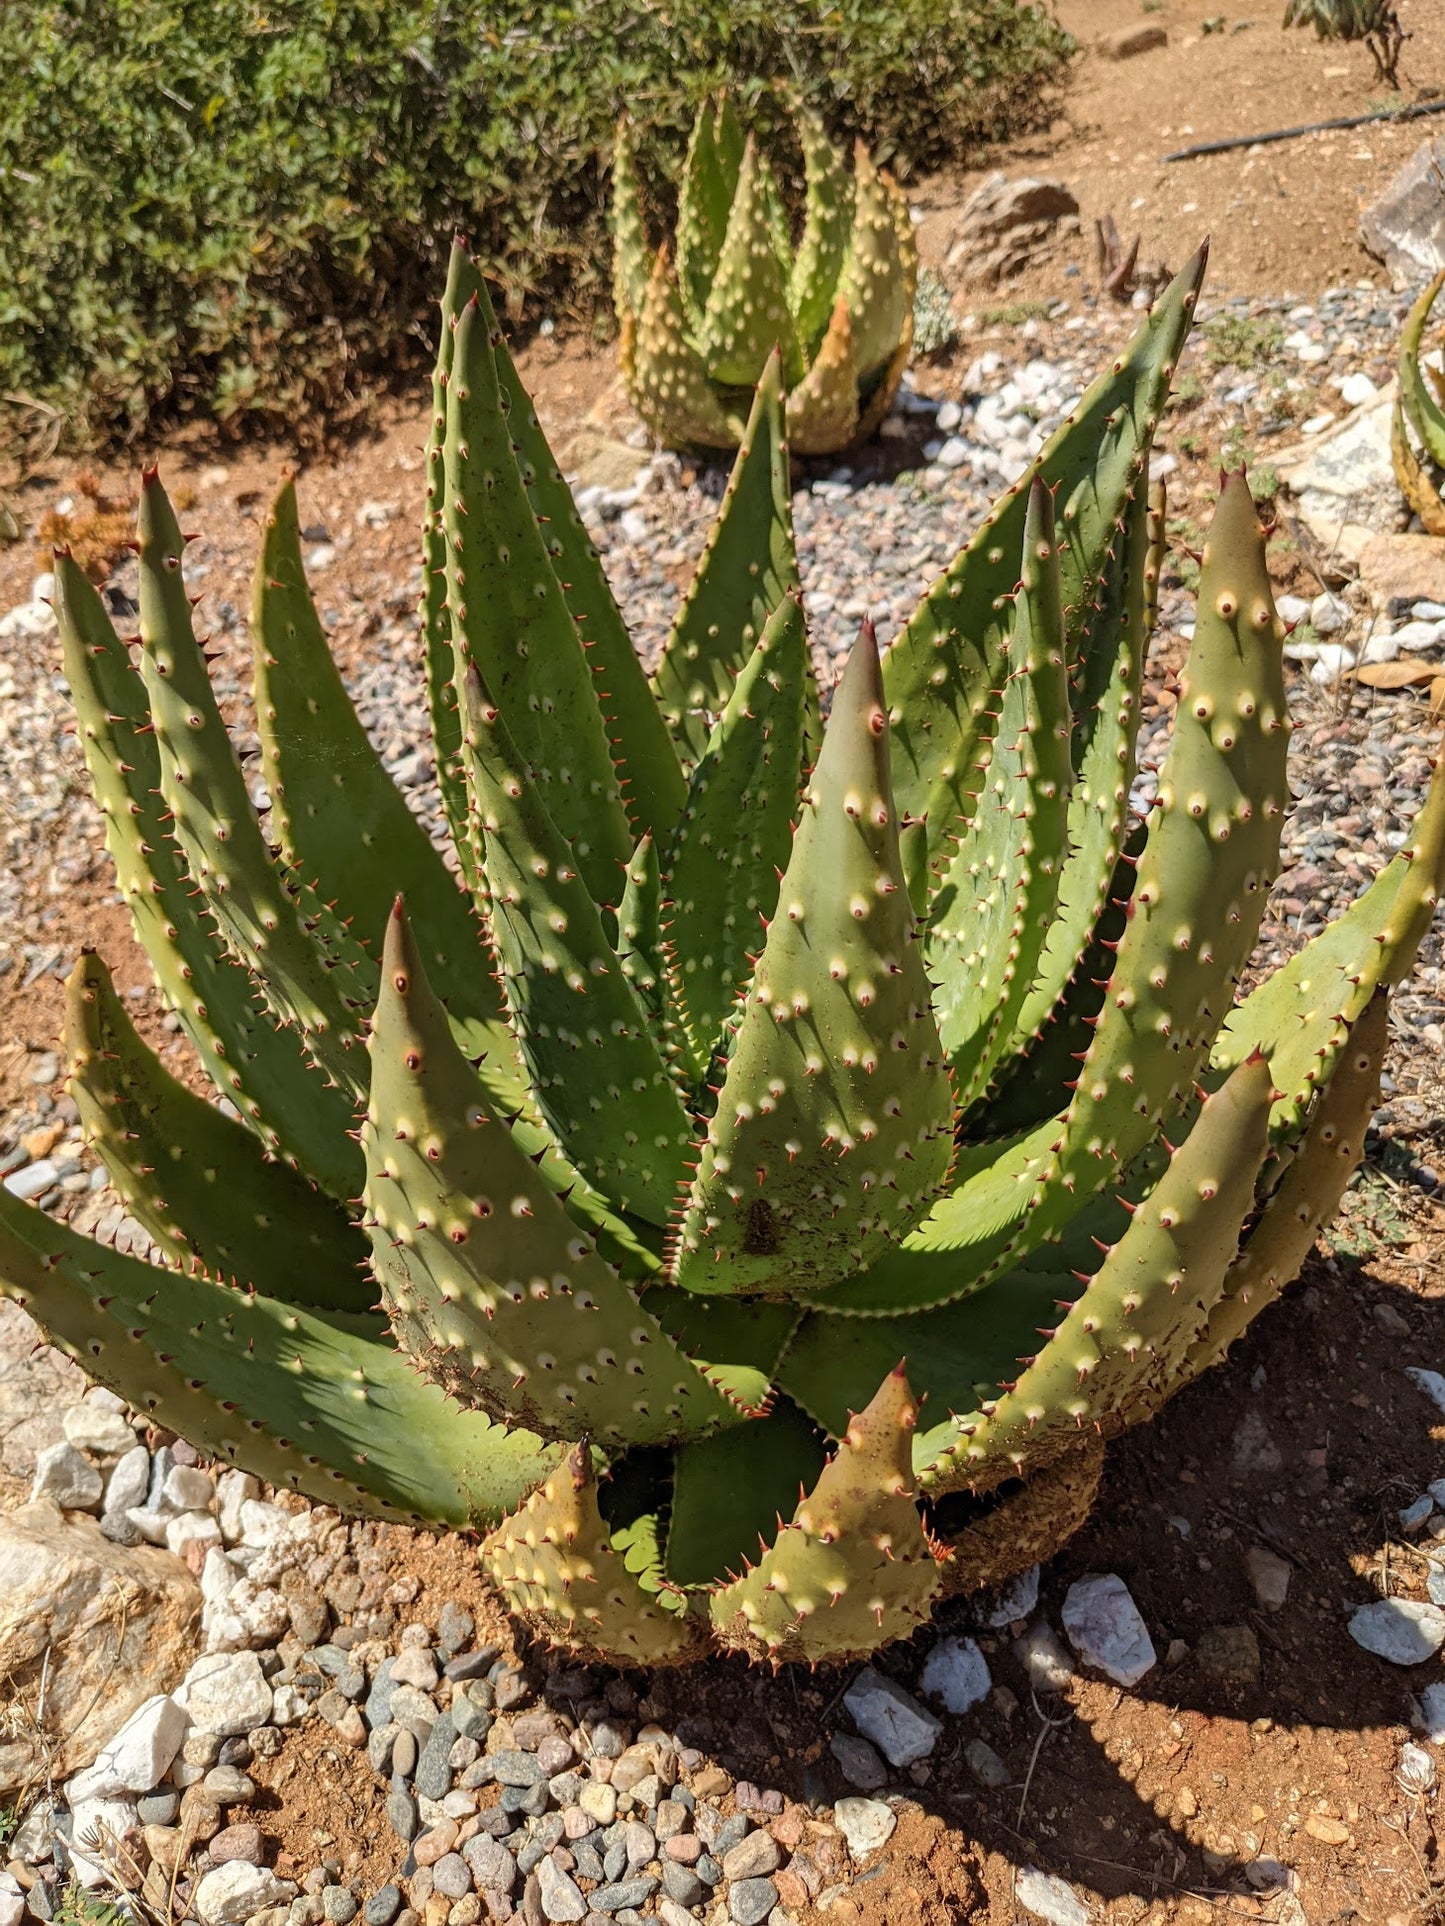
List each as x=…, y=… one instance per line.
x=667, y=1165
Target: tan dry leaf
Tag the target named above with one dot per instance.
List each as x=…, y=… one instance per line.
x=1397, y=675
x=1437, y=698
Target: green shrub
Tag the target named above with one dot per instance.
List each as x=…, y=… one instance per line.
x=242, y=205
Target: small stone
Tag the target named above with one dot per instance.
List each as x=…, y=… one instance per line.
x=895, y=1722
x=1417, y=1768
x=1103, y=1625
x=858, y=1761
x=514, y=1768
x=338, y=1905
x=1042, y=1655
x=560, y=1896
x=751, y=1900
x=1414, y=1515
x=94, y=1427
x=1050, y=1898
x=402, y=1814
x=226, y=1692
x=188, y=1489
x=956, y=1674
x=622, y=1894
x=866, y=1824
x=452, y=1876
x=1329, y=1832
x=241, y=1842
x=681, y=1883
x=1432, y=1713
x=1430, y=1382
x=1358, y=391
x=415, y=1666
x=1126, y=43
x=599, y=1802
x=433, y=1769
x=383, y=1906
x=130, y=1480
x=1229, y=1653
x=1399, y=1629
x=1269, y=1576
x=67, y=1478
x=140, y=1754
x=752, y=1857
x=985, y=1765
x=231, y=1893
x=158, y=1808
x=1011, y=1602
x=228, y=1786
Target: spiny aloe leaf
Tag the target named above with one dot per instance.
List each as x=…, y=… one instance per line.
x=940, y=671
x=1301, y=1015
x=746, y=316
x=1309, y=1193
x=741, y=1338
x=834, y=1121
x=340, y=818
x=709, y=184
x=592, y=1062
x=854, y=1567
x=651, y=781
x=259, y=1065
x=747, y=568
x=443, y=699
x=487, y=1280
x=666, y=376
x=873, y=281
x=998, y=897
x=885, y=385
x=197, y=1181
x=641, y=950
x=1423, y=412
x=558, y=1567
x=1118, y=1352
x=318, y=1402
x=959, y=1354
x=510, y=618
x=630, y=264
x=732, y=1494
x=827, y=225
x=1114, y=641
x=213, y=820
x=734, y=837
x=822, y=411
x=1414, y=478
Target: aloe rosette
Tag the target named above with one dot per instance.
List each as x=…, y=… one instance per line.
x=700, y=315
x=762, y=1140
x=1417, y=431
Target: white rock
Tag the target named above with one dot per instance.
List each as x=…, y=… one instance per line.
x=140, y=1754
x=226, y=1693
x=956, y=1673
x=866, y=1824
x=1357, y=391
x=1419, y=636
x=98, y=1825
x=262, y=1524
x=1042, y=1655
x=1292, y=608
x=33, y=1178
x=191, y=1529
x=150, y=1524
x=1103, y=1625
x=1399, y=1629
x=1269, y=1575
x=559, y=1893
x=229, y=1894
x=634, y=525
x=1328, y=614
x=375, y=514
x=31, y=618
x=1432, y=1713
x=91, y=1427
x=1332, y=660
x=233, y=1490
x=1430, y=1382
x=1011, y=1602
x=188, y=1489
x=1317, y=424
x=1417, y=1768
x=892, y=1718
x=322, y=556
x=953, y=454
x=1380, y=646
x=289, y=1705
x=12, y=1900
x=948, y=417
x=130, y=1480
x=1050, y=1898
x=67, y=1479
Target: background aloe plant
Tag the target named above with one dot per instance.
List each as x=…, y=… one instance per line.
x=700, y=317
x=1417, y=430
x=728, y=1070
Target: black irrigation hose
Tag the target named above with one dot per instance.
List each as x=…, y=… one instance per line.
x=1316, y=127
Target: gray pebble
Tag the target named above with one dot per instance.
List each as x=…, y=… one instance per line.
x=730, y=1833
x=378, y=1703
x=751, y=1900
x=120, y=1528
x=433, y=1770
x=510, y=1688
x=493, y=1867
x=402, y=1814
x=158, y=1808
x=615, y=1863
x=227, y=1785
x=752, y=1857
x=404, y=1754
x=338, y=1905
x=471, y=1665
x=382, y=1908
x=559, y=1893
x=682, y=1884
x=623, y=1893
x=528, y=1799
x=452, y=1876
x=858, y=1761
x=588, y=1861
x=455, y=1626
x=516, y=1768
x=380, y=1749
x=708, y=1870
x=471, y=1715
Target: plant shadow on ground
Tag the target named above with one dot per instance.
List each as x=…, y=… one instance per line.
x=1306, y=1443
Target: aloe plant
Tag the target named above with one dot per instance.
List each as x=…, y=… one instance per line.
x=1376, y=22
x=757, y=1143
x=700, y=315
x=1417, y=437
